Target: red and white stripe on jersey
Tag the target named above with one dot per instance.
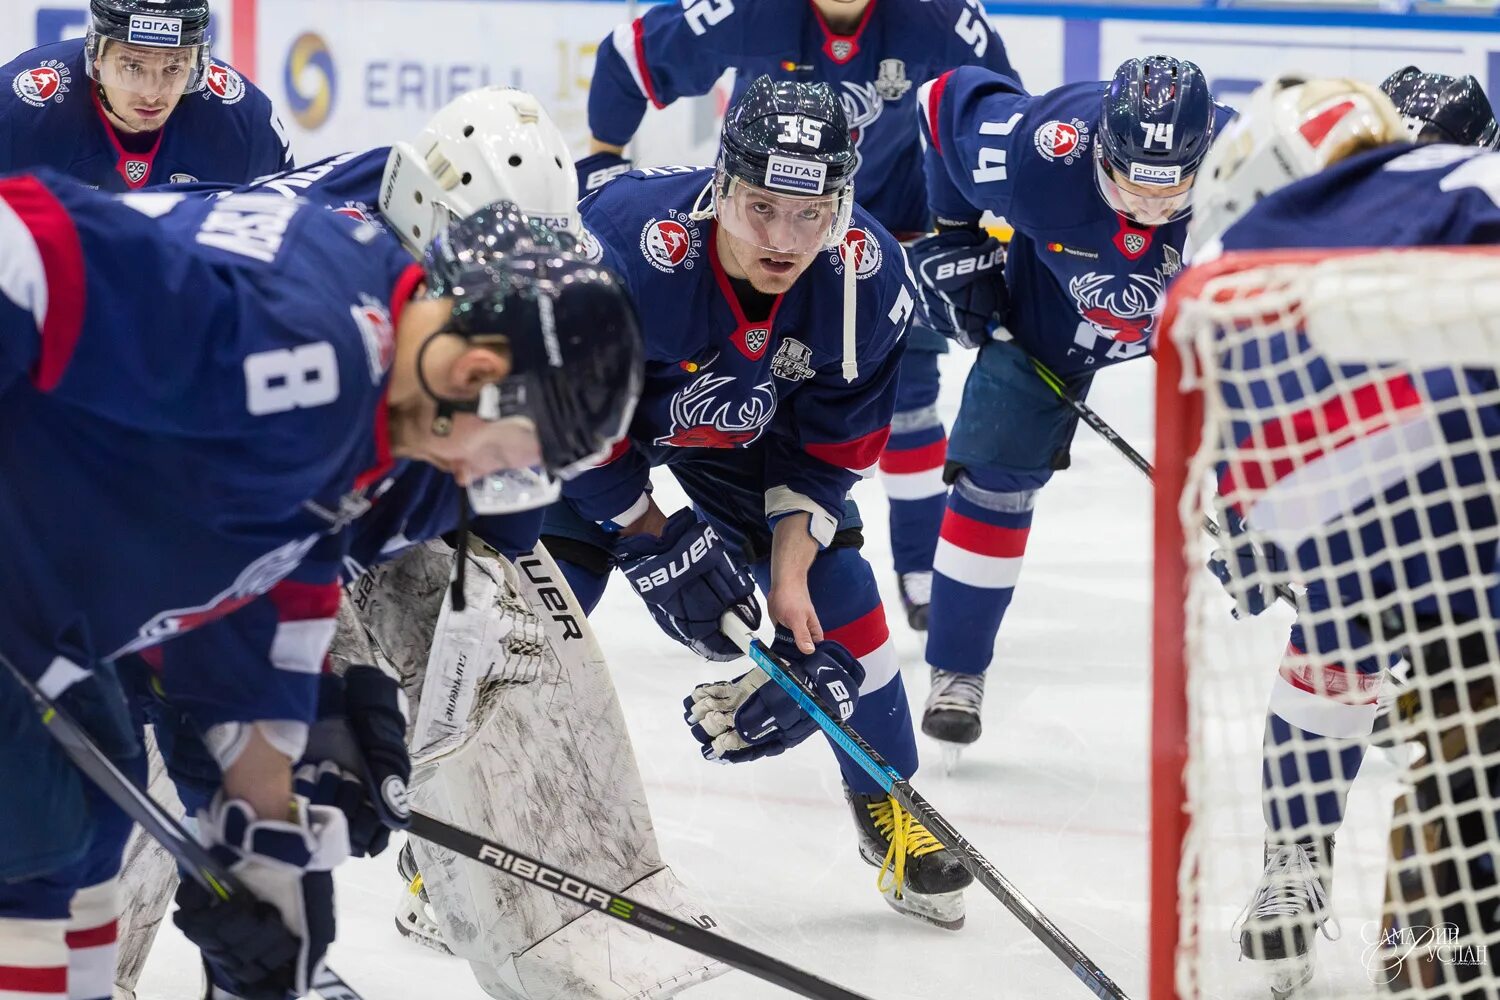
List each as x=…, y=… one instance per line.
x=1327, y=699
x=92, y=934
x=34, y=960
x=978, y=554
x=914, y=473
x=306, y=617
x=869, y=639
x=929, y=100
x=42, y=271
x=1297, y=472
x=862, y=455
x=629, y=41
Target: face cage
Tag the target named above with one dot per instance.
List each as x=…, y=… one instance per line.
x=725, y=188
x=95, y=44
x=1133, y=206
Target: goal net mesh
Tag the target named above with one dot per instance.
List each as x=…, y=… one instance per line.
x=1336, y=416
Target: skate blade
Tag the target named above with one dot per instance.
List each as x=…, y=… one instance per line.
x=940, y=909
x=413, y=925
x=1286, y=976
x=952, y=754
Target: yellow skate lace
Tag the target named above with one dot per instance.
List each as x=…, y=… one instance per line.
x=906, y=837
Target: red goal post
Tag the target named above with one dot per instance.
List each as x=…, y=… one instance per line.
x=1429, y=306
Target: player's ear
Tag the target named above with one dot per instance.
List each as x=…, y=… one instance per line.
x=477, y=366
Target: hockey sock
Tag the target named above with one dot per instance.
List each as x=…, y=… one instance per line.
x=33, y=959
x=91, y=938
x=911, y=470
x=977, y=565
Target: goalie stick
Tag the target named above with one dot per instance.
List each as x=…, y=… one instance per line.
x=898, y=788
x=191, y=856
x=1134, y=457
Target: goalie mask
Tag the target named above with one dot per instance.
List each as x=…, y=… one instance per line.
x=784, y=181
x=1292, y=128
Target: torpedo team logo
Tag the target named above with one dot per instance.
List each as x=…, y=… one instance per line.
x=1059, y=140
x=670, y=243
x=224, y=83
x=1121, y=310
x=701, y=419
x=40, y=84
x=860, y=247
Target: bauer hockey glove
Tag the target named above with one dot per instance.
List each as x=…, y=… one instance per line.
x=356, y=758
x=268, y=942
x=688, y=580
x=752, y=717
x=598, y=170
x=961, y=282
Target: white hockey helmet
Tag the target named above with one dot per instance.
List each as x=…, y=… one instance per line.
x=1294, y=127
x=488, y=145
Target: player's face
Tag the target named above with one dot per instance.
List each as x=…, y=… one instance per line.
x=142, y=85
x=1145, y=204
x=769, y=238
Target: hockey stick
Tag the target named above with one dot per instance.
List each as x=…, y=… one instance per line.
x=898, y=788
x=627, y=910
x=192, y=857
x=1135, y=458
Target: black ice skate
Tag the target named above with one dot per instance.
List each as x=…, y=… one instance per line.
x=918, y=876
x=916, y=597
x=1288, y=909
x=952, y=712
x=415, y=918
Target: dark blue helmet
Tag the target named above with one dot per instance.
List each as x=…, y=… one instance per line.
x=1157, y=122
x=799, y=121
x=1441, y=108
x=574, y=341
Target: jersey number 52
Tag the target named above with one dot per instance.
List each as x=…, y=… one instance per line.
x=971, y=27
x=704, y=14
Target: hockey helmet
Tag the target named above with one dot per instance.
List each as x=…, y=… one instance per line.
x=1441, y=108
x=163, y=45
x=574, y=341
x=784, y=181
x=1292, y=128
x=1155, y=127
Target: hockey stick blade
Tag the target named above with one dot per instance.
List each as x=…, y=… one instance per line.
x=896, y=786
x=626, y=910
x=1135, y=458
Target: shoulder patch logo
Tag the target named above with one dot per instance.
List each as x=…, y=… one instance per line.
x=40, y=84
x=671, y=242
x=224, y=83
x=892, y=84
x=863, y=248
x=793, y=361
x=374, y=322
x=1059, y=140
x=590, y=247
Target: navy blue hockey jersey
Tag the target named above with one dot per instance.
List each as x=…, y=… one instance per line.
x=50, y=116
x=717, y=380
x=679, y=50
x=1448, y=197
x=191, y=409
x=1085, y=282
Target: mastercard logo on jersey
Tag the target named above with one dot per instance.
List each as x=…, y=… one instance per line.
x=47, y=82
x=1059, y=140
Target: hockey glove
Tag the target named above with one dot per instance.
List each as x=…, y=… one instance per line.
x=268, y=942
x=1252, y=582
x=356, y=757
x=752, y=717
x=961, y=282
x=688, y=580
x=598, y=170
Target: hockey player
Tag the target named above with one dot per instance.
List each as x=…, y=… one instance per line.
x=138, y=102
x=1094, y=178
x=467, y=702
x=1300, y=170
x=874, y=54
x=1441, y=108
x=159, y=477
x=774, y=314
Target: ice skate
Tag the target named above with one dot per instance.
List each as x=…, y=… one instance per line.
x=918, y=876
x=414, y=916
x=1289, y=907
x=952, y=712
x=916, y=597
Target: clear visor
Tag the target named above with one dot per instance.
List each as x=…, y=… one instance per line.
x=780, y=223
x=149, y=72
x=513, y=490
x=1139, y=203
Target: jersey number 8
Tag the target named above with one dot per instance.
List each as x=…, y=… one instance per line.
x=704, y=14
x=291, y=379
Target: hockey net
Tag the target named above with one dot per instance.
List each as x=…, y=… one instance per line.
x=1344, y=405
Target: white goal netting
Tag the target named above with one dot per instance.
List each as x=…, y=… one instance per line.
x=1336, y=756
